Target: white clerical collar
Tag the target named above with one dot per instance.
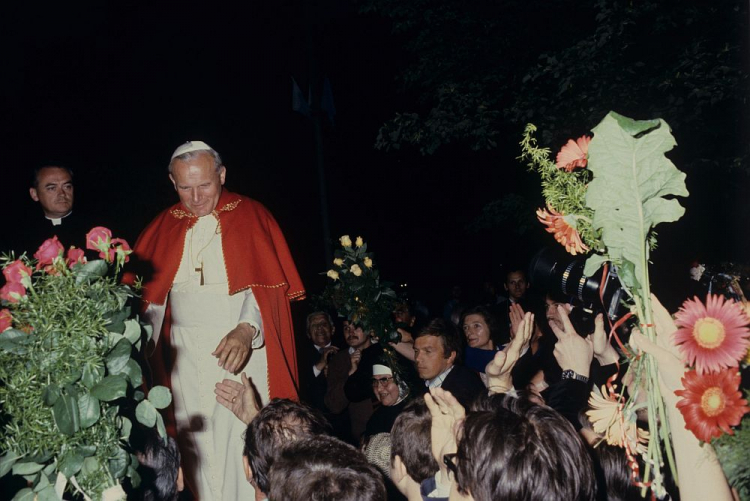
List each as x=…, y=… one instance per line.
x=57, y=221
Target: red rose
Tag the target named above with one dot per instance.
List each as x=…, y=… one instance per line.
x=49, y=250
x=99, y=239
x=16, y=271
x=121, y=250
x=75, y=256
x=6, y=320
x=12, y=292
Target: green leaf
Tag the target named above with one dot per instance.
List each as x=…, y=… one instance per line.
x=146, y=413
x=118, y=465
x=50, y=395
x=119, y=356
x=14, y=341
x=7, y=461
x=133, y=372
x=90, y=465
x=148, y=330
x=88, y=410
x=110, y=388
x=631, y=178
x=24, y=495
x=160, y=396
x=91, y=270
x=27, y=468
x=86, y=450
x=160, y=427
x=132, y=331
x=116, y=320
x=125, y=427
x=138, y=395
x=135, y=478
x=71, y=464
x=42, y=483
x=65, y=412
x=47, y=494
x=92, y=374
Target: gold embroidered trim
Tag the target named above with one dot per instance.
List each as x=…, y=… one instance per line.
x=181, y=214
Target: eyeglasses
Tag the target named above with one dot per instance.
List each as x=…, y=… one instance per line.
x=449, y=460
x=381, y=382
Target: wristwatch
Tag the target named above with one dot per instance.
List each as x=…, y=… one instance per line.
x=571, y=374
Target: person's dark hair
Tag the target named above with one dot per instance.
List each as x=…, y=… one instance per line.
x=37, y=170
x=159, y=465
x=324, y=468
x=613, y=473
x=516, y=268
x=278, y=423
x=446, y=331
x=514, y=449
x=411, y=438
x=493, y=324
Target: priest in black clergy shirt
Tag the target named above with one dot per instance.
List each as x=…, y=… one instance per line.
x=52, y=188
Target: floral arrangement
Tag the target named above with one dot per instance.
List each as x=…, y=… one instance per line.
x=604, y=197
x=357, y=293
x=714, y=339
x=69, y=385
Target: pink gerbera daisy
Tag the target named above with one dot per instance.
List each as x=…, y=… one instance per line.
x=574, y=154
x=712, y=337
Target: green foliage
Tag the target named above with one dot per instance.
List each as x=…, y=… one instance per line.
x=67, y=378
x=632, y=177
x=733, y=452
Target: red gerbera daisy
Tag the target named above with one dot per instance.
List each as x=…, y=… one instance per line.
x=711, y=403
x=714, y=336
x=563, y=228
x=574, y=154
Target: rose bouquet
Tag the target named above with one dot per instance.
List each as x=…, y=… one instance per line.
x=604, y=197
x=356, y=292
x=69, y=385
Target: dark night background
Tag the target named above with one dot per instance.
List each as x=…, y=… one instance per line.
x=110, y=89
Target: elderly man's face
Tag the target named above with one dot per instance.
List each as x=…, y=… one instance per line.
x=320, y=331
x=198, y=183
x=54, y=191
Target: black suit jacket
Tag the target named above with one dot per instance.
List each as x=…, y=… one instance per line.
x=463, y=383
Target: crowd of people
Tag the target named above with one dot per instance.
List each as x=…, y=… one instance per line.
x=486, y=401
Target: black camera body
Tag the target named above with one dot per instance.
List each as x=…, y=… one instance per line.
x=562, y=274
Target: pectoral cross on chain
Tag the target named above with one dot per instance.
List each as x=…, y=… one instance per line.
x=200, y=270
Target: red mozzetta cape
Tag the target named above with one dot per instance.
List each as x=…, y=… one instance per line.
x=256, y=257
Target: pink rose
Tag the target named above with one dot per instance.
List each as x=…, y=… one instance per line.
x=6, y=320
x=75, y=256
x=12, y=292
x=16, y=271
x=49, y=250
x=99, y=239
x=120, y=250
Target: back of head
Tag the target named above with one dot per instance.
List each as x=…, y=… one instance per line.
x=324, y=469
x=159, y=465
x=512, y=449
x=280, y=422
x=410, y=440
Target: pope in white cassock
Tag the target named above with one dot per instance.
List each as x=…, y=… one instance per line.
x=218, y=278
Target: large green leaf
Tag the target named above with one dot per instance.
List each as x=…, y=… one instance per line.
x=91, y=270
x=71, y=464
x=133, y=371
x=24, y=495
x=26, y=468
x=632, y=177
x=65, y=412
x=132, y=331
x=7, y=461
x=118, y=464
x=119, y=356
x=14, y=341
x=50, y=394
x=47, y=494
x=146, y=413
x=92, y=374
x=88, y=410
x=160, y=396
x=110, y=388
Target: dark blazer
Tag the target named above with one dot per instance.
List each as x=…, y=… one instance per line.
x=463, y=383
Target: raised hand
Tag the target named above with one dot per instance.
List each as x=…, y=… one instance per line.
x=571, y=350
x=238, y=398
x=498, y=370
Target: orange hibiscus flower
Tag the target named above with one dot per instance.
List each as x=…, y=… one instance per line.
x=711, y=403
x=563, y=228
x=574, y=154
